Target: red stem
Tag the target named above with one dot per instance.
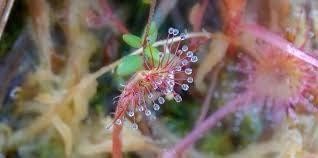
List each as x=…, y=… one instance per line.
x=208, y=97
x=117, y=145
x=197, y=25
x=117, y=142
x=106, y=16
x=110, y=17
x=279, y=42
x=205, y=126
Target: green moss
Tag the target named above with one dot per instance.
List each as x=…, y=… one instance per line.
x=217, y=143
x=250, y=130
x=50, y=150
x=180, y=118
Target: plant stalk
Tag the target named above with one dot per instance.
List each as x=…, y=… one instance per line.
x=205, y=126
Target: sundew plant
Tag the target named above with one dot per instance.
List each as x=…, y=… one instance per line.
x=159, y=78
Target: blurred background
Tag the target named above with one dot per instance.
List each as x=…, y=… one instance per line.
x=53, y=105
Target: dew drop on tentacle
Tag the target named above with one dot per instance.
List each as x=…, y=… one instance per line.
x=177, y=98
x=190, y=79
x=182, y=36
x=147, y=112
x=184, y=62
x=134, y=126
x=188, y=71
x=161, y=100
x=171, y=82
x=175, y=32
x=171, y=30
x=130, y=113
x=185, y=87
x=141, y=108
x=189, y=54
x=150, y=95
x=178, y=68
x=184, y=48
x=156, y=107
x=194, y=59
x=118, y=122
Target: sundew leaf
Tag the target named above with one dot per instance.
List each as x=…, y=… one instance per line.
x=152, y=53
x=132, y=40
x=153, y=33
x=129, y=65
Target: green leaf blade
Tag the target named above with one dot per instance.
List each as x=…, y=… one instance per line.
x=153, y=33
x=132, y=40
x=152, y=53
x=129, y=65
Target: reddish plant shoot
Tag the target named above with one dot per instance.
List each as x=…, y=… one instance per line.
x=277, y=41
x=275, y=77
x=279, y=80
x=146, y=90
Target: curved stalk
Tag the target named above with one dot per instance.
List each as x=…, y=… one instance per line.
x=205, y=126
